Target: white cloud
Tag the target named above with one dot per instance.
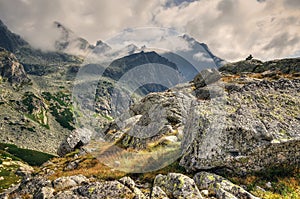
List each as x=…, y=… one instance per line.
x=202, y=57
x=232, y=28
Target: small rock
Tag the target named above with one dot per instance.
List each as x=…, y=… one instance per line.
x=269, y=184
x=158, y=193
x=44, y=193
x=71, y=166
x=127, y=181
x=24, y=170
x=204, y=192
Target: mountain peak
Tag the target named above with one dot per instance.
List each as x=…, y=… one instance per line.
x=70, y=42
x=9, y=40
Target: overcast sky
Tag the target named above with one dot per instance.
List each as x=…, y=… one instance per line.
x=232, y=28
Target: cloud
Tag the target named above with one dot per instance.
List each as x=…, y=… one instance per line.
x=202, y=57
x=232, y=28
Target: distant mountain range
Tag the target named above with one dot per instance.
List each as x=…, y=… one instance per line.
x=69, y=44
x=46, y=78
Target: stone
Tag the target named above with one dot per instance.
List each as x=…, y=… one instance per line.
x=177, y=185
x=158, y=193
x=70, y=181
x=206, y=77
x=67, y=195
x=44, y=193
x=77, y=139
x=11, y=69
x=127, y=181
x=220, y=186
x=108, y=189
x=248, y=130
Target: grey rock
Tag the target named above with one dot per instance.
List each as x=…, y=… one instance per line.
x=70, y=181
x=127, y=181
x=11, y=69
x=77, y=139
x=177, y=185
x=31, y=186
x=220, y=186
x=206, y=77
x=44, y=193
x=109, y=189
x=285, y=66
x=68, y=195
x=246, y=130
x=158, y=193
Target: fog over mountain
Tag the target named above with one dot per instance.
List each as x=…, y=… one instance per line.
x=231, y=28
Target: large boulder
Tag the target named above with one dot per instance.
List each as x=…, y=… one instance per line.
x=76, y=139
x=249, y=129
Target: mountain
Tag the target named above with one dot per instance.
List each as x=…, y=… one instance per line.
x=119, y=67
x=194, y=59
x=9, y=40
x=69, y=42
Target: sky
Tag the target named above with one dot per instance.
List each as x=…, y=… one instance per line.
x=232, y=29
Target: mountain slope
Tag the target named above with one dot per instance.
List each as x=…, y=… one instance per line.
x=9, y=40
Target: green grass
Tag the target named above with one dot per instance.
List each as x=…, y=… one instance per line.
x=7, y=172
x=9, y=178
x=32, y=157
x=285, y=183
x=61, y=108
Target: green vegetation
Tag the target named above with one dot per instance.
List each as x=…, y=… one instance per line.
x=7, y=170
x=35, y=109
x=273, y=183
x=61, y=108
x=32, y=157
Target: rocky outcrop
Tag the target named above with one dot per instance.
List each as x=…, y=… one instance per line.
x=11, y=69
x=285, y=66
